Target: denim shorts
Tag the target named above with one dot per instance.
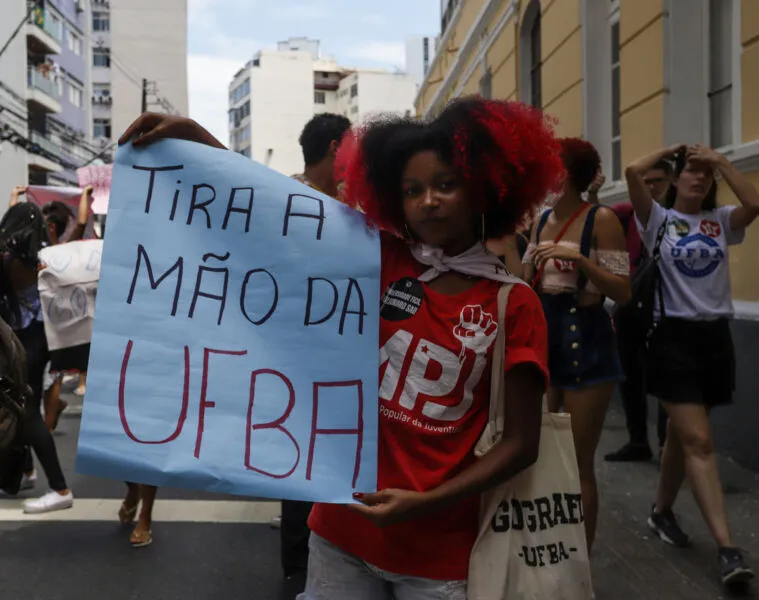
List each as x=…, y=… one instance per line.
x=337, y=575
x=582, y=345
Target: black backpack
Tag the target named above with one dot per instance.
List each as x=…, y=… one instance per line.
x=14, y=393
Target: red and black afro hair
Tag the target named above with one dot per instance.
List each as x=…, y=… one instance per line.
x=581, y=160
x=506, y=152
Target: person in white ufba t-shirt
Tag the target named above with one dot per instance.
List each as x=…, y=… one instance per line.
x=691, y=364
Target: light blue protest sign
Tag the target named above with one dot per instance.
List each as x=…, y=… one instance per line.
x=236, y=337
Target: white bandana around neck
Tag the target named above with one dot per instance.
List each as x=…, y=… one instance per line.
x=476, y=261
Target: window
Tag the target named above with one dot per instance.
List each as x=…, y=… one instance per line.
x=720, y=73
x=101, y=57
x=320, y=98
x=426, y=55
x=616, y=129
x=75, y=43
x=354, y=90
x=536, y=87
x=101, y=128
x=76, y=94
x=101, y=21
x=56, y=26
x=531, y=61
x=240, y=92
x=101, y=90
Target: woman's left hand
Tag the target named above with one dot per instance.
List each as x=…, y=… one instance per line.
x=388, y=507
x=557, y=251
x=704, y=155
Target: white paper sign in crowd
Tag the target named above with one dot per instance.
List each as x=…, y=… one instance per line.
x=68, y=286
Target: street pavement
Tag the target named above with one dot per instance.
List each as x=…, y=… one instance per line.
x=210, y=547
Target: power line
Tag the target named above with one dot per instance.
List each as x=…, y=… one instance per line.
x=29, y=11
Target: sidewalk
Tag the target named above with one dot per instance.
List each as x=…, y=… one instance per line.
x=630, y=563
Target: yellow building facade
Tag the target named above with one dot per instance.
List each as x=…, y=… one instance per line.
x=630, y=76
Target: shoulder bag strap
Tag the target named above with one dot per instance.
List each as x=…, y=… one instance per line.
x=659, y=237
x=657, y=258
x=496, y=411
x=541, y=224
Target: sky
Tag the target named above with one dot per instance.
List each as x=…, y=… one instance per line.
x=224, y=35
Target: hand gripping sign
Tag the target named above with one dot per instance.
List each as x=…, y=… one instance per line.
x=236, y=336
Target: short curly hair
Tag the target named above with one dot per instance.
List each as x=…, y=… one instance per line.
x=581, y=160
x=505, y=151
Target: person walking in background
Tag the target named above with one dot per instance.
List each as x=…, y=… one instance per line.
x=23, y=233
x=691, y=361
x=632, y=341
x=319, y=141
x=582, y=260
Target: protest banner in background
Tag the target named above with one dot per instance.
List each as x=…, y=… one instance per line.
x=68, y=287
x=236, y=342
x=70, y=196
x=99, y=177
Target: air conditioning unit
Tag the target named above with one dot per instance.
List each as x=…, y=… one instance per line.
x=79, y=6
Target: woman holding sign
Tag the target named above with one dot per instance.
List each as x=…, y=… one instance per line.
x=438, y=190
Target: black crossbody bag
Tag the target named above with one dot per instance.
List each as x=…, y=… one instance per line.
x=645, y=284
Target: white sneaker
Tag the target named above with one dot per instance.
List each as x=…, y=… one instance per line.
x=48, y=503
x=28, y=481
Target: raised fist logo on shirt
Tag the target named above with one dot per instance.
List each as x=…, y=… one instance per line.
x=476, y=330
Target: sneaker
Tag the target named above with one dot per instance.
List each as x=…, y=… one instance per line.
x=28, y=481
x=276, y=522
x=630, y=453
x=665, y=526
x=733, y=566
x=48, y=503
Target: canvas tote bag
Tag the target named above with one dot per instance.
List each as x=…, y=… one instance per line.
x=531, y=544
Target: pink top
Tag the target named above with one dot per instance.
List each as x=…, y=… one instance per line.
x=561, y=275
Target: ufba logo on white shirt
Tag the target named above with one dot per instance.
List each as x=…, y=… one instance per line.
x=697, y=255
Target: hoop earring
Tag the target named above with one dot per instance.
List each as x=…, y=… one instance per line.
x=408, y=232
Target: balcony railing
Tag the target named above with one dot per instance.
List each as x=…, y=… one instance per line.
x=102, y=100
x=45, y=84
x=51, y=148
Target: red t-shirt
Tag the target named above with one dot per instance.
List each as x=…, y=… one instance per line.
x=434, y=388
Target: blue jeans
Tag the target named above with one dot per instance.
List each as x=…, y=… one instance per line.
x=336, y=575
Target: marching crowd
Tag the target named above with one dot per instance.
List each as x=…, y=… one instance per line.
x=480, y=204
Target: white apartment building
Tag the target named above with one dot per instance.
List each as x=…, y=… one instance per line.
x=134, y=40
x=420, y=51
x=366, y=93
x=274, y=95
x=13, y=109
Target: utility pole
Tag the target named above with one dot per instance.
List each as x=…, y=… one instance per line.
x=144, y=95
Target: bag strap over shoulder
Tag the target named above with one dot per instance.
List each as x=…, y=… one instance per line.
x=541, y=224
x=657, y=258
x=659, y=237
x=496, y=411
